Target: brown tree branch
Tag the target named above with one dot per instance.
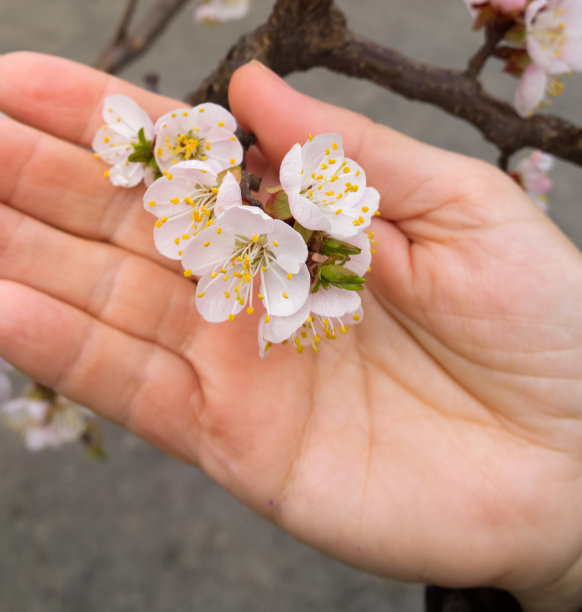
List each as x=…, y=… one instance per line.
x=302, y=34
x=494, y=33
x=121, y=32
x=127, y=46
x=293, y=40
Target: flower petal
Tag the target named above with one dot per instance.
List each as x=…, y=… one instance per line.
x=284, y=295
x=290, y=171
x=530, y=91
x=216, y=299
x=334, y=302
x=173, y=237
x=228, y=195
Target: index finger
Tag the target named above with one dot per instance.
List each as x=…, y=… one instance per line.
x=64, y=98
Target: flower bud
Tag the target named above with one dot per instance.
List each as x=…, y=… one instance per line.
x=340, y=276
x=332, y=246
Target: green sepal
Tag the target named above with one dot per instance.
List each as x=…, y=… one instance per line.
x=517, y=34
x=340, y=276
x=333, y=246
x=142, y=152
x=303, y=231
x=277, y=206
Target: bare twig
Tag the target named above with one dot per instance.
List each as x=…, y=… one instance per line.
x=121, y=33
x=493, y=34
x=121, y=52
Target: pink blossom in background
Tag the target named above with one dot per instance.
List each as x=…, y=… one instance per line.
x=554, y=45
x=532, y=174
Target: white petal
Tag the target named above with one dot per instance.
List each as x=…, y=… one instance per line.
x=169, y=236
x=290, y=171
x=284, y=296
x=278, y=329
x=132, y=117
x=212, y=115
x=202, y=259
x=334, y=302
x=309, y=214
x=291, y=250
x=228, y=195
x=212, y=301
x=314, y=151
x=530, y=91
x=126, y=174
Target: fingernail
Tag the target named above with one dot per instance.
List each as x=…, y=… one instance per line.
x=267, y=70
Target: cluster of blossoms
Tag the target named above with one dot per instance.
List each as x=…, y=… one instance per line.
x=219, y=11
x=46, y=419
x=544, y=43
x=301, y=255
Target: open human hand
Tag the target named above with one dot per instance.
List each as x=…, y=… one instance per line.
x=439, y=440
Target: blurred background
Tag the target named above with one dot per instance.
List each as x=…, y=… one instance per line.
x=141, y=531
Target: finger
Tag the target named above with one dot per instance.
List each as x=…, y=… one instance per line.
x=100, y=279
x=122, y=378
x=396, y=165
x=64, y=98
x=63, y=185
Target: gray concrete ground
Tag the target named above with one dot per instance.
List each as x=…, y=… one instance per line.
x=143, y=532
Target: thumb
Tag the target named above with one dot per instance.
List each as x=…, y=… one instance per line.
x=280, y=117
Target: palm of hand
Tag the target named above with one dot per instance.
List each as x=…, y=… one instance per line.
x=440, y=430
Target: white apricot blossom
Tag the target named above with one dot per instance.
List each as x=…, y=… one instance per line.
x=326, y=190
x=244, y=243
x=532, y=174
x=554, y=45
x=204, y=133
x=220, y=11
x=44, y=423
x=326, y=311
x=127, y=130
x=186, y=201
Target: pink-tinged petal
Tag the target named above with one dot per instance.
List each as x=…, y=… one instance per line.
x=213, y=115
x=277, y=329
x=290, y=171
x=361, y=262
x=208, y=250
x=126, y=174
x=334, y=302
x=148, y=176
x=173, y=236
x=216, y=300
x=131, y=117
x=223, y=153
x=530, y=91
x=320, y=147
x=228, y=195
x=308, y=214
x=284, y=295
x=532, y=11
